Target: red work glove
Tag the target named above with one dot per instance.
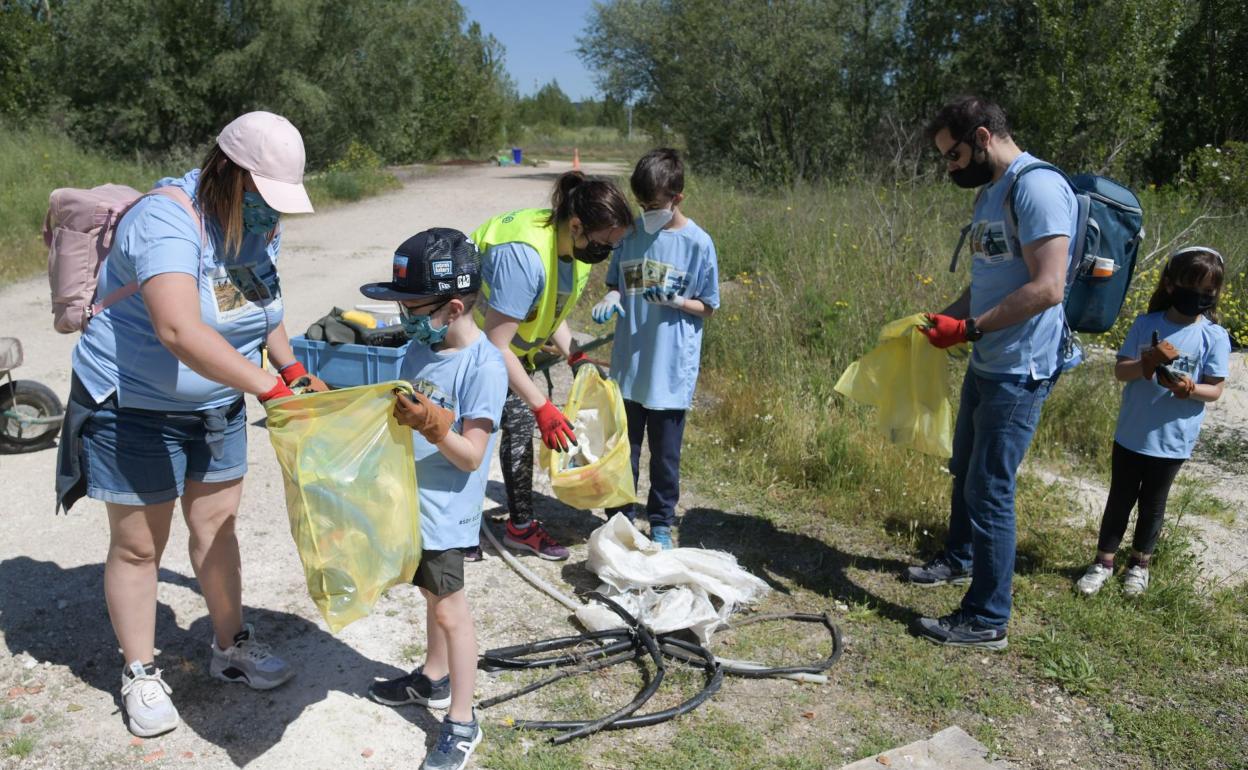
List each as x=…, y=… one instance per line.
x=579, y=359
x=944, y=331
x=279, y=390
x=423, y=416
x=298, y=378
x=1160, y=354
x=556, y=430
x=1181, y=386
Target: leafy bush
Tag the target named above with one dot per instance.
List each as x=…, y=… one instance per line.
x=1221, y=173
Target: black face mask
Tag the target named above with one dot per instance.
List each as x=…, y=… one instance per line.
x=976, y=174
x=591, y=254
x=1191, y=302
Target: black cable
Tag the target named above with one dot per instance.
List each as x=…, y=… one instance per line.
x=804, y=617
x=509, y=657
x=631, y=654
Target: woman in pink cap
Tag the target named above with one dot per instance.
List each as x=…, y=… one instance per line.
x=156, y=407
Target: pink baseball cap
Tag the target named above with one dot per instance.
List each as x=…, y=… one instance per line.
x=270, y=147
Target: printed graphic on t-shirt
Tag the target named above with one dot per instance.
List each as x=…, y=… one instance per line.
x=641, y=274
x=989, y=244
x=435, y=394
x=237, y=289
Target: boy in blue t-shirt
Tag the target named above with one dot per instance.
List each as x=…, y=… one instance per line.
x=460, y=382
x=662, y=282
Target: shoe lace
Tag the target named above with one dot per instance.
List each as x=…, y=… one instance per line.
x=543, y=538
x=255, y=650
x=149, y=687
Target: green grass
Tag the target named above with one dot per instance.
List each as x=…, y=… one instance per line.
x=20, y=746
x=33, y=162
x=808, y=277
x=595, y=143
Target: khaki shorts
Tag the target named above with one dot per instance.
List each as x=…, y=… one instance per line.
x=440, y=572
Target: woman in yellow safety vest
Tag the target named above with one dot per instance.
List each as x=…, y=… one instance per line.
x=536, y=264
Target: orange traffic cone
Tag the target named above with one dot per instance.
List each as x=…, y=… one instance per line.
x=576, y=159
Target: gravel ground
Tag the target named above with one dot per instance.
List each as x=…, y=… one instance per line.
x=60, y=666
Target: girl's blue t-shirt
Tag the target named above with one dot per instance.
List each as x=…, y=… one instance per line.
x=240, y=298
x=472, y=383
x=1152, y=421
x=657, y=350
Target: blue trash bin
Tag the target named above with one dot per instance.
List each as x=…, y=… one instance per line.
x=516, y=155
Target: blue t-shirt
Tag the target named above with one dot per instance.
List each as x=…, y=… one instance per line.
x=516, y=275
x=657, y=349
x=472, y=383
x=1045, y=206
x=1152, y=421
x=240, y=298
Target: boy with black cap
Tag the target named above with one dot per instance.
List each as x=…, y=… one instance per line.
x=460, y=383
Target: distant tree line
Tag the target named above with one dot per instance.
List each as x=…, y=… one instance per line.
x=550, y=106
x=410, y=79
x=808, y=89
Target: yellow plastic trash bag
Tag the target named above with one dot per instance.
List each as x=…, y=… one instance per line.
x=596, y=473
x=904, y=377
x=350, y=476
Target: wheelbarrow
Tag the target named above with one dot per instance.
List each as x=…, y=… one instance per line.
x=30, y=413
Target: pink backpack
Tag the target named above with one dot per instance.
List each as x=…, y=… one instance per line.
x=78, y=231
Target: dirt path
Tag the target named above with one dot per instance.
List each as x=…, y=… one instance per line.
x=59, y=663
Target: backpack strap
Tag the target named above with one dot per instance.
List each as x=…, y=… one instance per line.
x=953, y=263
x=175, y=194
x=1011, y=217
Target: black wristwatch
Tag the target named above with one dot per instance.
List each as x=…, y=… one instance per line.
x=973, y=332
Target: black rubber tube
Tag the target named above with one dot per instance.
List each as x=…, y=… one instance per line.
x=511, y=657
x=631, y=654
x=761, y=673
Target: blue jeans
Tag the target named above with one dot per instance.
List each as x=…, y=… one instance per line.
x=996, y=422
x=665, y=429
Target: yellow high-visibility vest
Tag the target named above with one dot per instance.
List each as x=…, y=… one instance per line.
x=529, y=226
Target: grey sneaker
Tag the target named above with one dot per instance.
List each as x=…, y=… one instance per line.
x=412, y=688
x=937, y=572
x=1093, y=579
x=250, y=662
x=146, y=698
x=455, y=744
x=1135, y=582
x=954, y=630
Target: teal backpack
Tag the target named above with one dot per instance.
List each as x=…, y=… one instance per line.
x=1108, y=231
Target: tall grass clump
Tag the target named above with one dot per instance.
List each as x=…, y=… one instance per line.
x=809, y=275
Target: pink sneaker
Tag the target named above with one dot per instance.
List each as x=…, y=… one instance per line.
x=533, y=538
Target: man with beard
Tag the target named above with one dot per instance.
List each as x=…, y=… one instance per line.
x=1012, y=314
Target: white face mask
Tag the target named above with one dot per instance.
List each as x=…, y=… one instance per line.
x=656, y=219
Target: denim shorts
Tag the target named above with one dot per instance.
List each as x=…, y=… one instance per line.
x=141, y=457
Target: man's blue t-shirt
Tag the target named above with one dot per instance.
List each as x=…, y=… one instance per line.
x=657, y=349
x=1045, y=206
x=1152, y=421
x=239, y=297
x=516, y=276
x=472, y=383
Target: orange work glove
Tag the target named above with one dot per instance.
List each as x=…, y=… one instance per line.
x=298, y=378
x=1160, y=354
x=423, y=416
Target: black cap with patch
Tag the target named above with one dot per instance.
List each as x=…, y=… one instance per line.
x=439, y=262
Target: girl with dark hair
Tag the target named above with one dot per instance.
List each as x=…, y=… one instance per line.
x=535, y=265
x=156, y=402
x=1174, y=361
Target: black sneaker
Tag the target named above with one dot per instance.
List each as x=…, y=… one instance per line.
x=954, y=630
x=455, y=743
x=413, y=688
x=937, y=572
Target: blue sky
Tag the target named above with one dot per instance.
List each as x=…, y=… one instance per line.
x=540, y=39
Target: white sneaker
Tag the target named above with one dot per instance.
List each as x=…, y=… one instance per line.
x=146, y=698
x=1135, y=582
x=250, y=662
x=1093, y=579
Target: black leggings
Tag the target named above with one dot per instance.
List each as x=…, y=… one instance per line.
x=515, y=452
x=1141, y=478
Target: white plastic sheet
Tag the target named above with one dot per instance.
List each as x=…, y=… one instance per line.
x=692, y=588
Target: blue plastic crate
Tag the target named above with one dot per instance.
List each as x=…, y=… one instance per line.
x=344, y=366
